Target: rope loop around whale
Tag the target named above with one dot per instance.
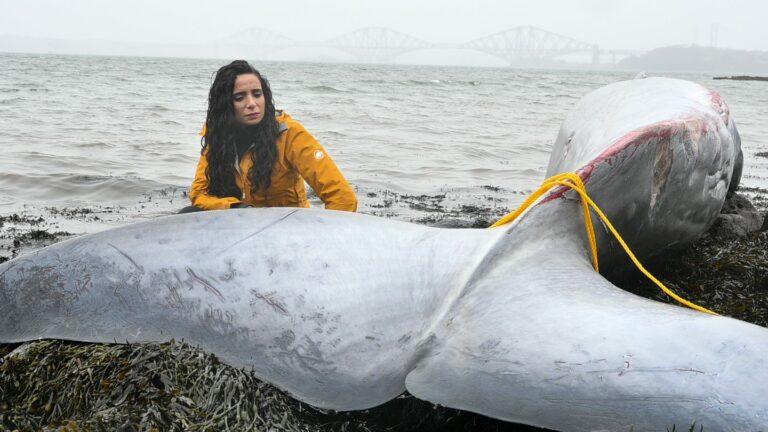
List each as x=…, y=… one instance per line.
x=573, y=181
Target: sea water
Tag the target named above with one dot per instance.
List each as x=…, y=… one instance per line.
x=111, y=131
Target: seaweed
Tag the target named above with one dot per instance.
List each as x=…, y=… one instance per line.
x=728, y=276
x=60, y=385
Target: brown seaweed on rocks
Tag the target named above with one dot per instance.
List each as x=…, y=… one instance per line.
x=728, y=276
x=170, y=386
x=68, y=386
x=725, y=271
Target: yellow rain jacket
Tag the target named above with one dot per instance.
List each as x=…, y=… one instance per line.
x=300, y=157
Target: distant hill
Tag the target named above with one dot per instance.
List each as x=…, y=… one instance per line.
x=26, y=44
x=699, y=59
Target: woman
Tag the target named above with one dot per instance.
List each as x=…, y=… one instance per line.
x=255, y=156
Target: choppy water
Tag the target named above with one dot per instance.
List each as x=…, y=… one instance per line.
x=78, y=130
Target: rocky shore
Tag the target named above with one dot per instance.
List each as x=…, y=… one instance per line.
x=68, y=386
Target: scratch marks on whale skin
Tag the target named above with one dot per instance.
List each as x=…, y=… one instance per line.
x=689, y=370
x=324, y=322
x=629, y=369
x=230, y=273
x=119, y=280
x=207, y=285
x=405, y=339
x=38, y=294
x=223, y=324
x=306, y=355
x=134, y=278
x=491, y=347
x=128, y=257
x=176, y=288
x=285, y=340
x=171, y=279
x=258, y=231
x=627, y=365
x=593, y=403
x=174, y=298
x=271, y=300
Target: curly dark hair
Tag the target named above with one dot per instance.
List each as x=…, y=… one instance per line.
x=222, y=133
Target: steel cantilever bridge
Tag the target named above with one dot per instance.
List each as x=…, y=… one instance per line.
x=382, y=45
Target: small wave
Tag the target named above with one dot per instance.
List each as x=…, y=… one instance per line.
x=180, y=159
x=543, y=148
x=373, y=81
x=472, y=83
x=530, y=172
x=6, y=199
x=113, y=187
x=10, y=101
x=422, y=82
x=9, y=90
x=565, y=96
x=333, y=134
x=67, y=186
x=478, y=153
x=33, y=154
x=325, y=89
x=95, y=145
x=165, y=143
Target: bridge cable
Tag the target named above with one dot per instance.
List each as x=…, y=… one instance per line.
x=574, y=182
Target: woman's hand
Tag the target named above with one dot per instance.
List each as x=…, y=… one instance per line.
x=240, y=205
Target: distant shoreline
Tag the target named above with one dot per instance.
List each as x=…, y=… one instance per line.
x=693, y=58
x=742, y=78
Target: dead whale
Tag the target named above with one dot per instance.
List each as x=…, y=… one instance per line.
x=346, y=311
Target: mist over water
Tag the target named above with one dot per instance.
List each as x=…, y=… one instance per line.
x=78, y=130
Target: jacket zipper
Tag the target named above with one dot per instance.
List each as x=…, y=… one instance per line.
x=240, y=173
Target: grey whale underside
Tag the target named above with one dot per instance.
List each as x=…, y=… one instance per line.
x=346, y=311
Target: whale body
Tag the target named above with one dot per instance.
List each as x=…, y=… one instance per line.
x=346, y=311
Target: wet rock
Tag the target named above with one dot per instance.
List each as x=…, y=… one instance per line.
x=738, y=219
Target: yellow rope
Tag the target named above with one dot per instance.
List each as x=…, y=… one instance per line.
x=573, y=181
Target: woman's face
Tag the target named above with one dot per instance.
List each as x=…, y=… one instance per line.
x=248, y=100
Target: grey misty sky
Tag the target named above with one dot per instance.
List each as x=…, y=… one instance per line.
x=630, y=24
